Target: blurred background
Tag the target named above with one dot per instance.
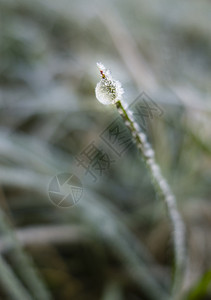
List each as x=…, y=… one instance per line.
x=72, y=228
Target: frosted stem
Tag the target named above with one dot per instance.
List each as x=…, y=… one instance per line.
x=109, y=91
x=162, y=187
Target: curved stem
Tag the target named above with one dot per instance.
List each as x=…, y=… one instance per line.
x=162, y=187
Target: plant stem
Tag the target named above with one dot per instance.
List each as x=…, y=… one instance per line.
x=163, y=189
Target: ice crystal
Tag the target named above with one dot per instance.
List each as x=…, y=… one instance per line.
x=108, y=91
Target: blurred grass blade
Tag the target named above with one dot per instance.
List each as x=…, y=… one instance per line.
x=23, y=262
x=10, y=283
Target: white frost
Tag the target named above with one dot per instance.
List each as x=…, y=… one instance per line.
x=108, y=91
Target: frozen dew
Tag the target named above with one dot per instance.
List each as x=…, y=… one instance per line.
x=108, y=91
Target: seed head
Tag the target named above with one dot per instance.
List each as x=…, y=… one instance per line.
x=108, y=90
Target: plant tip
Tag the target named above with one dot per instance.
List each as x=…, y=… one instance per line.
x=108, y=91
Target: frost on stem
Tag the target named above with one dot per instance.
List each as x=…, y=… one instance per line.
x=108, y=91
